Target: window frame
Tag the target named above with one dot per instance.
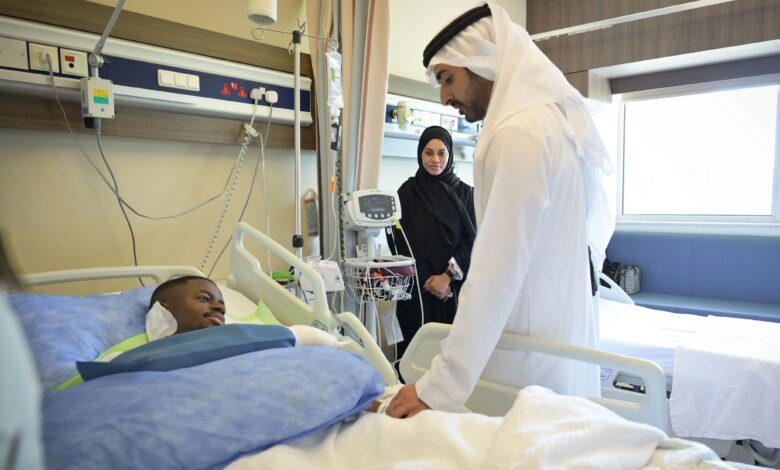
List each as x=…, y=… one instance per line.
x=720, y=224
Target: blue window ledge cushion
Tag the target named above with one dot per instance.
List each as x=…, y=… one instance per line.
x=64, y=329
x=205, y=416
x=193, y=348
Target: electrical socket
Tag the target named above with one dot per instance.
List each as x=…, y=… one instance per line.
x=38, y=57
x=257, y=94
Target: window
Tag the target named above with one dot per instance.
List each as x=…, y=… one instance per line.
x=697, y=154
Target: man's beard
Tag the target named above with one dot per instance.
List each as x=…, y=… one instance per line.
x=479, y=98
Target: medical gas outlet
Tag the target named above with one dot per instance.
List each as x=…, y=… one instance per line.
x=74, y=63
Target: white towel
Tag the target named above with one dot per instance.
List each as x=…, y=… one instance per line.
x=727, y=382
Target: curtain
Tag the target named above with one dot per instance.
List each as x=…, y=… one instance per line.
x=363, y=31
x=371, y=117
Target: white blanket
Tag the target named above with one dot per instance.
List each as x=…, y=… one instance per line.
x=727, y=380
x=542, y=430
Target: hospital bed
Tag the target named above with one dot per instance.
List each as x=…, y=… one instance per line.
x=239, y=386
x=729, y=350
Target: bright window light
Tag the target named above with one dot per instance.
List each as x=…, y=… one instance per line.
x=705, y=154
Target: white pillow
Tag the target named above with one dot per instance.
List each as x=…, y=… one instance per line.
x=237, y=305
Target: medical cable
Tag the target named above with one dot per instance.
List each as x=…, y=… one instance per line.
x=115, y=189
x=396, y=359
x=121, y=206
x=333, y=154
x=263, y=141
x=103, y=177
x=416, y=277
x=368, y=282
x=339, y=225
x=249, y=132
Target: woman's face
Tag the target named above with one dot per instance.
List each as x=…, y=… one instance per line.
x=434, y=157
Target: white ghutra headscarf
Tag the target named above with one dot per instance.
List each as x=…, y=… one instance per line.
x=500, y=51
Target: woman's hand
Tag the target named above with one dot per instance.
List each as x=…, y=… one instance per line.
x=439, y=286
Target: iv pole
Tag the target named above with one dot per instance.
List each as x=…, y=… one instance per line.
x=297, y=239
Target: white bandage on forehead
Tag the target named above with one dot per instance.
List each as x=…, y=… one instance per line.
x=160, y=323
x=473, y=48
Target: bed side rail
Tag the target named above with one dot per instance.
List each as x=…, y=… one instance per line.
x=160, y=274
x=248, y=278
x=363, y=344
x=612, y=291
x=496, y=399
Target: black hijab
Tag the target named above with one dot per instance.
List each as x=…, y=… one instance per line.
x=448, y=175
x=443, y=197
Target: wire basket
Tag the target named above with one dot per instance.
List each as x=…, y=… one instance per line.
x=379, y=278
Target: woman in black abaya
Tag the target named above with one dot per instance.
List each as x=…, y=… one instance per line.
x=437, y=214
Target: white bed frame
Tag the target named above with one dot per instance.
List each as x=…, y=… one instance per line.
x=496, y=399
x=247, y=277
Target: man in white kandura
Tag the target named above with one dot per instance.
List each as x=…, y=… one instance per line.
x=540, y=209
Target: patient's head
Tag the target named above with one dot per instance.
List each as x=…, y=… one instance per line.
x=195, y=302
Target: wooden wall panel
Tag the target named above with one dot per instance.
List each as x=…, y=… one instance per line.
x=719, y=26
x=38, y=113
x=549, y=15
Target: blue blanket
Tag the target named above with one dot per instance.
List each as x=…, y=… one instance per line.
x=208, y=415
x=193, y=348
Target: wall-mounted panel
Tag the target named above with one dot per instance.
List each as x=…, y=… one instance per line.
x=177, y=39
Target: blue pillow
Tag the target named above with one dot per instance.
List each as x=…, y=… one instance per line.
x=205, y=416
x=63, y=329
x=192, y=348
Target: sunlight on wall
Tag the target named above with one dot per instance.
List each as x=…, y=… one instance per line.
x=413, y=24
x=225, y=16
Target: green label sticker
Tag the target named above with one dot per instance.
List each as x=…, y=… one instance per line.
x=100, y=100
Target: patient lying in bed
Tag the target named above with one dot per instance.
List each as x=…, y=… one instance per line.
x=184, y=304
x=188, y=304
x=196, y=302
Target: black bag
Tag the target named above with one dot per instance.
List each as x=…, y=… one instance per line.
x=627, y=276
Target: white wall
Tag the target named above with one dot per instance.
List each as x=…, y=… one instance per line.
x=62, y=216
x=223, y=16
x=413, y=24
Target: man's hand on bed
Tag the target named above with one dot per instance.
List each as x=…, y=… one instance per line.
x=406, y=403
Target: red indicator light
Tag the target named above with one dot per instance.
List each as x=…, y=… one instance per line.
x=233, y=86
x=70, y=58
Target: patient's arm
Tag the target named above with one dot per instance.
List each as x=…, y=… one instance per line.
x=373, y=407
x=380, y=404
